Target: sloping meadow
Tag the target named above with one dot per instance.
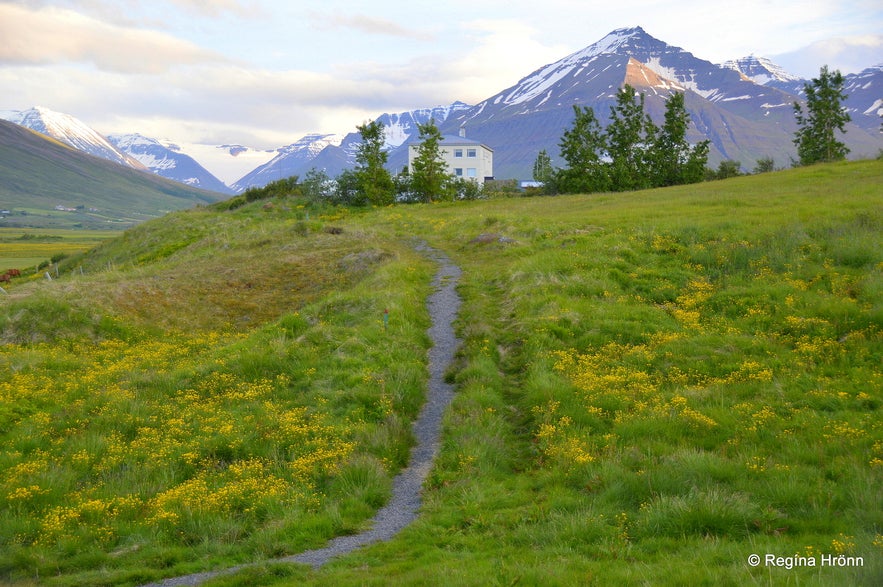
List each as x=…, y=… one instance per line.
x=653, y=387
x=209, y=388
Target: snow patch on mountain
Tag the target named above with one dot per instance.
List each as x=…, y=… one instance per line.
x=312, y=144
x=149, y=152
x=400, y=127
x=876, y=108
x=760, y=70
x=531, y=87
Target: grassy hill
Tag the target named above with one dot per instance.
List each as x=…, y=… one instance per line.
x=653, y=387
x=37, y=174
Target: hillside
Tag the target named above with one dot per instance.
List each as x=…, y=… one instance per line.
x=652, y=387
x=37, y=175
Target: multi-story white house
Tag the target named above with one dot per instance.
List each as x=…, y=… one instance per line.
x=464, y=157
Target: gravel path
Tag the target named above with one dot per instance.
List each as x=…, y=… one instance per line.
x=443, y=305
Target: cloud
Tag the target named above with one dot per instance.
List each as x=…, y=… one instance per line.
x=53, y=35
x=370, y=25
x=848, y=54
x=219, y=7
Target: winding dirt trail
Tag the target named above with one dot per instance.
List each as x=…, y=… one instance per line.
x=443, y=305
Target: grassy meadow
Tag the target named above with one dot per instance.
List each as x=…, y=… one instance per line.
x=653, y=387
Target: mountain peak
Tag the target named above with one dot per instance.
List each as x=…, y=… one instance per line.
x=629, y=41
x=760, y=70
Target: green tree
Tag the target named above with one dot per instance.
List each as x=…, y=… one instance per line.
x=465, y=189
x=674, y=160
x=725, y=169
x=317, y=186
x=347, y=192
x=764, y=165
x=429, y=172
x=542, y=168
x=372, y=177
x=629, y=135
x=582, y=148
x=815, y=138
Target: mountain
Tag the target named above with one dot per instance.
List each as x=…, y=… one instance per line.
x=45, y=182
x=294, y=159
x=743, y=120
x=334, y=153
x=864, y=98
x=167, y=161
x=739, y=117
x=864, y=90
x=764, y=72
x=71, y=131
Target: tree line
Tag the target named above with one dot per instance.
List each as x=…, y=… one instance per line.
x=632, y=153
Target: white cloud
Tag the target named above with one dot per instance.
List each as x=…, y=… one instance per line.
x=53, y=35
x=503, y=52
x=847, y=54
x=371, y=25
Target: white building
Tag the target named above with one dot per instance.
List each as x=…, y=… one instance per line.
x=464, y=157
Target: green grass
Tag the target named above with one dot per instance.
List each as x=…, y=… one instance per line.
x=652, y=387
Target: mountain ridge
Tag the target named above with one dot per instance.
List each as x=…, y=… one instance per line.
x=45, y=182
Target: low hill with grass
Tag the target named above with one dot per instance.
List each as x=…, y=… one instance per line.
x=44, y=183
x=653, y=388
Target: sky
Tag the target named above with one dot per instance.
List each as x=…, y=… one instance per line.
x=264, y=73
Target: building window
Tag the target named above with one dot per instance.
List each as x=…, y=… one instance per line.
x=471, y=172
x=458, y=153
x=470, y=152
x=458, y=171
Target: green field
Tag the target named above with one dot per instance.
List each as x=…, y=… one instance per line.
x=27, y=249
x=653, y=387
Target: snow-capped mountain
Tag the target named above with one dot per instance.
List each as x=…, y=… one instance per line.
x=743, y=120
x=398, y=128
x=531, y=115
x=38, y=172
x=334, y=153
x=864, y=97
x=71, y=131
x=864, y=90
x=762, y=71
x=168, y=161
x=290, y=160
